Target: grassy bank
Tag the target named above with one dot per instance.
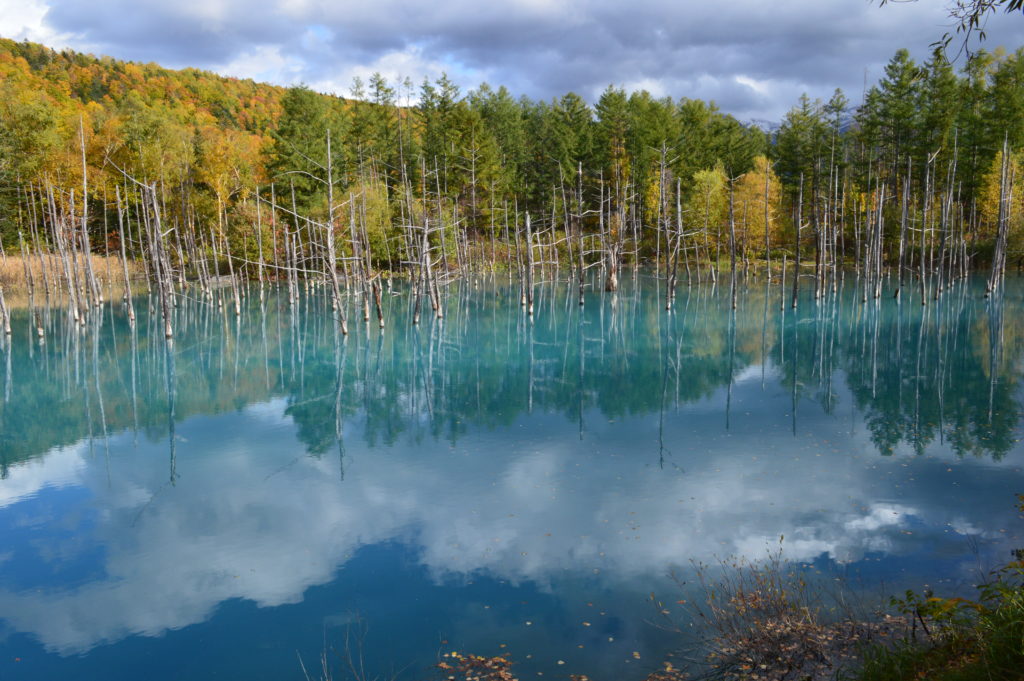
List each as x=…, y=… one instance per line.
x=768, y=621
x=959, y=639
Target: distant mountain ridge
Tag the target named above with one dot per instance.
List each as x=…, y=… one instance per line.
x=767, y=126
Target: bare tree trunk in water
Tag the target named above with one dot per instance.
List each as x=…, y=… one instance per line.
x=611, y=282
x=796, y=244
x=5, y=314
x=732, y=247
x=124, y=258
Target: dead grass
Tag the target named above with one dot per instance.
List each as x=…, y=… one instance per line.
x=108, y=271
x=461, y=667
x=769, y=620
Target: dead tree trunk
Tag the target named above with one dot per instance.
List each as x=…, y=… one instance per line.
x=124, y=258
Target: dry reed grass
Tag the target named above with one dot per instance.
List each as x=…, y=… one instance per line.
x=770, y=620
x=108, y=271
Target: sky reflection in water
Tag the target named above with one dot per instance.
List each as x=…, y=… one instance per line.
x=212, y=511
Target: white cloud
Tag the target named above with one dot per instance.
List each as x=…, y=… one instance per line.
x=760, y=87
x=395, y=66
x=880, y=515
x=26, y=20
x=61, y=468
x=264, y=63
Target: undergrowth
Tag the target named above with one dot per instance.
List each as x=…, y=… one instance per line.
x=960, y=639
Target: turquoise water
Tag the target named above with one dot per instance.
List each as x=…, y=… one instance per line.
x=264, y=488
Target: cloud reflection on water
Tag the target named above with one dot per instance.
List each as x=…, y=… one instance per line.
x=252, y=516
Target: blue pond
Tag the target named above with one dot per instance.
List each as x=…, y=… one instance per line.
x=262, y=489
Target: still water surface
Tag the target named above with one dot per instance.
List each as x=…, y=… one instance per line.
x=219, y=508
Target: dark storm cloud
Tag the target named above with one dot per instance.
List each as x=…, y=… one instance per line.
x=753, y=58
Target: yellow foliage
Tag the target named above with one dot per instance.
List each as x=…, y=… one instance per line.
x=229, y=159
x=369, y=197
x=708, y=205
x=988, y=198
x=749, y=206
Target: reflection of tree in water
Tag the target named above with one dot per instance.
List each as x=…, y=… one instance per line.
x=917, y=374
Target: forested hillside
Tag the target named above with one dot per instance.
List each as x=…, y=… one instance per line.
x=916, y=168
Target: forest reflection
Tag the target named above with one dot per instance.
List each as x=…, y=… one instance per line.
x=918, y=374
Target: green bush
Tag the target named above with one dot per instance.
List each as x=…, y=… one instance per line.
x=962, y=639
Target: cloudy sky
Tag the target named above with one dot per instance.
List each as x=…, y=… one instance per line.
x=752, y=57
